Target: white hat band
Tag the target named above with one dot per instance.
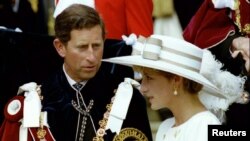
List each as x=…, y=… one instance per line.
x=154, y=50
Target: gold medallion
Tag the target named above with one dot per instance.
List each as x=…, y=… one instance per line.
x=130, y=134
x=98, y=139
x=41, y=133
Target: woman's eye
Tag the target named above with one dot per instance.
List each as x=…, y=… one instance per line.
x=149, y=78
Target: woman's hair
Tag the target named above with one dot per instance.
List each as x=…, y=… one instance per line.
x=77, y=16
x=188, y=85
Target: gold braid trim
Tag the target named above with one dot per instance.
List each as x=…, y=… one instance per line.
x=126, y=133
x=101, y=131
x=246, y=28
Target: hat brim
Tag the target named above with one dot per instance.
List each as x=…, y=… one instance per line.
x=138, y=60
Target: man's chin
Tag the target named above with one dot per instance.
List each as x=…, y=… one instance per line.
x=87, y=76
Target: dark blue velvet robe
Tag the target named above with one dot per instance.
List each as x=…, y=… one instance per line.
x=62, y=117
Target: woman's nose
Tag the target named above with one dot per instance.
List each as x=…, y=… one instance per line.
x=143, y=89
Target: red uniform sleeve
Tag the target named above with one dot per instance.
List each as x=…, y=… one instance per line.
x=123, y=17
x=139, y=17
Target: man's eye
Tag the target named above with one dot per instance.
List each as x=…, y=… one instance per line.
x=96, y=45
x=83, y=46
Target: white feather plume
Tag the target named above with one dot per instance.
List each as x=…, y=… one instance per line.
x=230, y=86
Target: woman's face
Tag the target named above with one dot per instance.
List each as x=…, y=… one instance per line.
x=157, y=88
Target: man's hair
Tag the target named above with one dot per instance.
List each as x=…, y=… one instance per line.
x=76, y=16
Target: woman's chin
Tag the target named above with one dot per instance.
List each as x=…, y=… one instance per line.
x=153, y=107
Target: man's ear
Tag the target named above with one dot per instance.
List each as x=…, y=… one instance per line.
x=60, y=47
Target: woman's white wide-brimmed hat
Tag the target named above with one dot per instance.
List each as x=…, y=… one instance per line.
x=175, y=56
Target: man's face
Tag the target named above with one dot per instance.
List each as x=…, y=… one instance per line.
x=83, y=53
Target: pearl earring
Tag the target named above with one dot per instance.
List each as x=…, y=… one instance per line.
x=175, y=91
